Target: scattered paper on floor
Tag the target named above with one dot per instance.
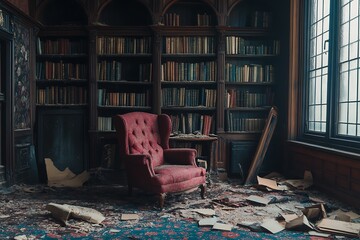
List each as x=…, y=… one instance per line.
x=302, y=183
x=222, y=227
x=63, y=212
x=271, y=184
x=340, y=227
x=204, y=211
x=209, y=222
x=258, y=199
x=299, y=223
x=272, y=226
x=129, y=216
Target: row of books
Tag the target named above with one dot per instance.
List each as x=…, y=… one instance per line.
x=261, y=19
x=61, y=95
x=189, y=45
x=188, y=97
x=61, y=46
x=192, y=122
x=123, y=45
x=173, y=19
x=61, y=70
x=244, y=98
x=249, y=73
x=236, y=122
x=106, y=98
x=105, y=124
x=240, y=45
x=114, y=71
x=186, y=71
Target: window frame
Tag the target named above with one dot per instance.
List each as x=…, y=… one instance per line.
x=329, y=138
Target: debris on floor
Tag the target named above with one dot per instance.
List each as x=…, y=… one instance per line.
x=63, y=212
x=227, y=206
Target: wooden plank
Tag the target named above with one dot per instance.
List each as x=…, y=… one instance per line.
x=263, y=145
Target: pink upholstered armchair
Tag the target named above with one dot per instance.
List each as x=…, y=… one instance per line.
x=149, y=162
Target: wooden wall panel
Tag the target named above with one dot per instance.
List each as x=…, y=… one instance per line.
x=334, y=172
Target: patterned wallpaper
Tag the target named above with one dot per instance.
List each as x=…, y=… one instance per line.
x=21, y=76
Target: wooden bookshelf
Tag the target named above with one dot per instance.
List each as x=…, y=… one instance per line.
x=212, y=66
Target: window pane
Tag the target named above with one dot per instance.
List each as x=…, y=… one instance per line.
x=343, y=112
x=324, y=89
x=342, y=129
x=343, y=91
x=317, y=65
x=354, y=9
x=353, y=85
x=354, y=30
x=351, y=130
x=352, y=112
x=348, y=99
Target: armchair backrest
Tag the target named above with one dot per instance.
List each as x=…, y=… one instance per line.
x=143, y=133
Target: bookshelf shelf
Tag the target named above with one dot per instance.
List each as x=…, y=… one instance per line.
x=133, y=108
x=188, y=83
x=248, y=109
x=61, y=105
x=230, y=84
x=198, y=108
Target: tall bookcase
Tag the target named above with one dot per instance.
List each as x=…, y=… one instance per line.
x=212, y=65
x=122, y=72
x=188, y=72
x=61, y=92
x=252, y=59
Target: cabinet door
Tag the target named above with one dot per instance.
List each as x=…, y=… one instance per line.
x=62, y=136
x=242, y=153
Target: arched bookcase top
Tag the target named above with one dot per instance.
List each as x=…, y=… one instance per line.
x=61, y=12
x=189, y=13
x=250, y=13
x=124, y=13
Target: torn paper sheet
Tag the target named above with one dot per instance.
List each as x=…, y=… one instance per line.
x=339, y=227
x=66, y=178
x=270, y=184
x=129, y=216
x=289, y=217
x=63, y=212
x=302, y=184
x=204, y=211
x=258, y=200
x=318, y=234
x=207, y=222
x=315, y=212
x=222, y=227
x=299, y=223
x=272, y=226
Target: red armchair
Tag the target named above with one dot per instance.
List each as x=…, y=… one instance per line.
x=149, y=162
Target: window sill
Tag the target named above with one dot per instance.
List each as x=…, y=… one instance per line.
x=330, y=150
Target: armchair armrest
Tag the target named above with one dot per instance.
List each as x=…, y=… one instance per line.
x=182, y=156
x=139, y=165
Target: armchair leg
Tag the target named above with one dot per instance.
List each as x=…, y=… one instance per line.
x=203, y=190
x=162, y=200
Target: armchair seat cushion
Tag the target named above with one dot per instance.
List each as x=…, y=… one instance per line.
x=170, y=174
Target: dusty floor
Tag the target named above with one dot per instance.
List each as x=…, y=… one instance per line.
x=25, y=203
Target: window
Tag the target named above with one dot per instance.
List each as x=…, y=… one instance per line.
x=332, y=71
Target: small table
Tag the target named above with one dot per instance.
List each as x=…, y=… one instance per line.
x=208, y=143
